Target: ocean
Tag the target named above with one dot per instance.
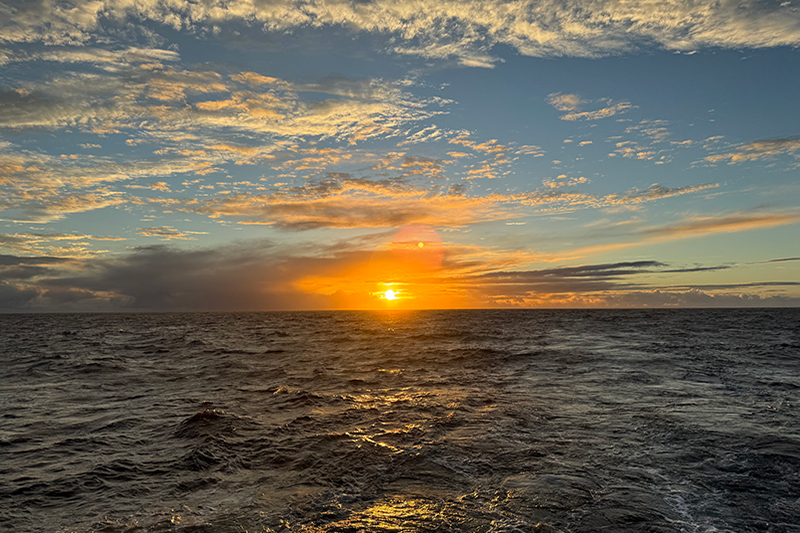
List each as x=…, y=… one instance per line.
x=487, y=421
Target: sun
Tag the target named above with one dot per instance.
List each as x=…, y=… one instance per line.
x=390, y=295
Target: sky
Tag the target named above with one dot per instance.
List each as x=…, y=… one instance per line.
x=173, y=155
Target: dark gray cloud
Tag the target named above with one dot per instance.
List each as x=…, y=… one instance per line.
x=696, y=298
x=13, y=260
x=160, y=277
x=783, y=260
x=725, y=286
x=698, y=269
x=25, y=272
x=586, y=279
x=603, y=271
x=149, y=278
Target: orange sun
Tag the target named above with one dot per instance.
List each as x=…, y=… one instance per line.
x=390, y=295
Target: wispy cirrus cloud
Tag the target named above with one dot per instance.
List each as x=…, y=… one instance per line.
x=556, y=199
x=466, y=31
x=630, y=235
x=698, y=226
x=106, y=59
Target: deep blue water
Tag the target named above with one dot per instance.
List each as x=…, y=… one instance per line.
x=501, y=421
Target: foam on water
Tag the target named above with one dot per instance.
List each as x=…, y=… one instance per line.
x=492, y=421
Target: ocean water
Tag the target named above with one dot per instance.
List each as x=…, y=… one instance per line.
x=490, y=421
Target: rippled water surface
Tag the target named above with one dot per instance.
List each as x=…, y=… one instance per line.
x=493, y=421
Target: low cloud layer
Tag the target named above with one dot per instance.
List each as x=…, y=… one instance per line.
x=264, y=276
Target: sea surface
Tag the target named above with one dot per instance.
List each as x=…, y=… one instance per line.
x=486, y=421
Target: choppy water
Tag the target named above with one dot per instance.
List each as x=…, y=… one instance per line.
x=493, y=421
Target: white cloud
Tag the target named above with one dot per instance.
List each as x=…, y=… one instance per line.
x=597, y=114
x=572, y=103
x=565, y=102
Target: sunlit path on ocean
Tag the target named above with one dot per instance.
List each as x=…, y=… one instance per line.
x=493, y=421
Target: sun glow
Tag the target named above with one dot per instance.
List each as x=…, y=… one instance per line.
x=407, y=271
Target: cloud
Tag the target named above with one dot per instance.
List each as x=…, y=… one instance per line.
x=656, y=130
x=696, y=298
x=37, y=187
x=554, y=199
x=143, y=101
x=110, y=60
x=466, y=31
x=49, y=205
x=565, y=102
x=591, y=274
x=488, y=147
x=63, y=245
x=255, y=79
x=255, y=275
x=157, y=186
x=614, y=285
x=260, y=275
x=167, y=233
x=567, y=279
x=572, y=103
x=530, y=149
x=690, y=227
x=343, y=201
x=200, y=121
x=783, y=259
x=654, y=133
x=632, y=150
x=700, y=226
x=597, y=114
x=158, y=278
x=352, y=206
x=10, y=260
x=564, y=181
x=759, y=150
